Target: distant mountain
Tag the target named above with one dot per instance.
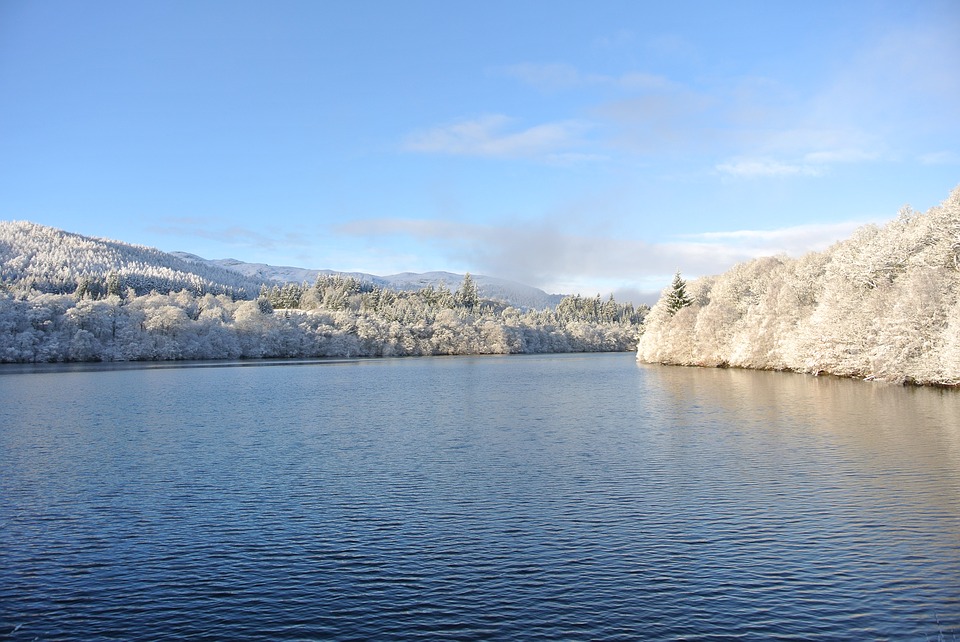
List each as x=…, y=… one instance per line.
x=514, y=293
x=52, y=260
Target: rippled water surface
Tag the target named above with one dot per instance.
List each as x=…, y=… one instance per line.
x=554, y=497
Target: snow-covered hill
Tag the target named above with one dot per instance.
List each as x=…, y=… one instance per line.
x=47, y=259
x=51, y=260
x=516, y=294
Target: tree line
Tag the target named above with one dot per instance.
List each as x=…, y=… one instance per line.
x=106, y=319
x=883, y=304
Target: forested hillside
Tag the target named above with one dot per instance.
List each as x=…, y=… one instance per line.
x=65, y=297
x=516, y=294
x=45, y=259
x=882, y=304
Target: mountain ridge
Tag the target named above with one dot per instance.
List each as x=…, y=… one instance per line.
x=489, y=287
x=50, y=259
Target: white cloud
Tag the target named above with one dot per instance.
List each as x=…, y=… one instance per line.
x=940, y=158
x=765, y=168
x=793, y=240
x=847, y=155
x=622, y=39
x=544, y=76
x=642, y=81
x=490, y=136
x=539, y=254
x=897, y=91
x=227, y=233
x=892, y=91
x=906, y=75
x=417, y=228
x=553, y=77
x=814, y=163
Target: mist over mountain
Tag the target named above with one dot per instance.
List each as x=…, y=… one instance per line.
x=512, y=292
x=51, y=260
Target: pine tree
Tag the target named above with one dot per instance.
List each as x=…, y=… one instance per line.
x=84, y=288
x=114, y=285
x=678, y=297
x=467, y=295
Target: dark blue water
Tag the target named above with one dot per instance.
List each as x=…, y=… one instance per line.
x=536, y=497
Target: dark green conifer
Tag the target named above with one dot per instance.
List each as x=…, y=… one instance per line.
x=678, y=297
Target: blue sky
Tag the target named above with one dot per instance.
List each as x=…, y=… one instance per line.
x=575, y=146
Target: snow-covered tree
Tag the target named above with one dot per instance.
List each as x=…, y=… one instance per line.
x=67, y=297
x=880, y=305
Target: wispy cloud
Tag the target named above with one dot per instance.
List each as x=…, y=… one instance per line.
x=227, y=233
x=559, y=76
x=940, y=158
x=815, y=163
x=793, y=241
x=494, y=136
x=840, y=155
x=904, y=76
x=540, y=254
x=897, y=91
x=661, y=124
x=765, y=168
x=744, y=126
x=543, y=76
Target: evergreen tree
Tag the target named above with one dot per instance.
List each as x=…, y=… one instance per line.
x=444, y=298
x=114, y=285
x=84, y=287
x=678, y=297
x=467, y=295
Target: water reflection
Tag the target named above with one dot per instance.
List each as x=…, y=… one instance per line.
x=873, y=465
x=920, y=424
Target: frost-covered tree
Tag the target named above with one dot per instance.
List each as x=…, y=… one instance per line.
x=882, y=304
x=185, y=325
x=54, y=261
x=66, y=297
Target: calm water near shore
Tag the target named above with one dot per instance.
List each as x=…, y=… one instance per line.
x=524, y=497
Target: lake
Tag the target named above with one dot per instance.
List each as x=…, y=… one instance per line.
x=460, y=498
